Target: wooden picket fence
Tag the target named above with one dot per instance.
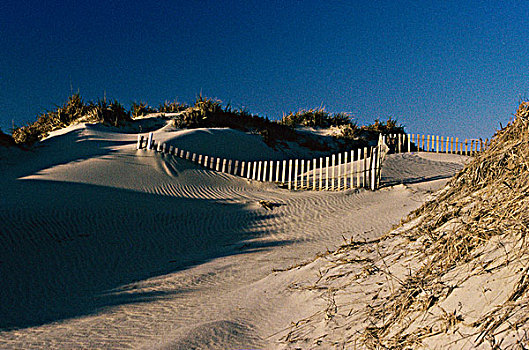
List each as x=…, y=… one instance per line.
x=353, y=169
x=434, y=143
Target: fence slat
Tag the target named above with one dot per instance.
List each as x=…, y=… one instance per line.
x=284, y=171
x=333, y=176
x=302, y=175
x=290, y=174
x=321, y=173
x=277, y=170
x=259, y=169
x=326, y=173
x=339, y=171
x=345, y=162
x=365, y=167
x=296, y=164
x=314, y=174
x=358, y=175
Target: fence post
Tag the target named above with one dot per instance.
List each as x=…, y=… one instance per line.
x=140, y=142
x=365, y=168
x=296, y=163
x=284, y=171
x=277, y=170
x=321, y=173
x=345, y=163
x=409, y=142
x=358, y=163
x=379, y=167
x=400, y=143
x=326, y=173
x=149, y=141
x=265, y=169
x=230, y=163
x=254, y=170
x=245, y=169
x=259, y=170
x=373, y=168
x=290, y=174
x=236, y=168
x=249, y=169
x=314, y=174
x=333, y=177
x=302, y=174
x=339, y=171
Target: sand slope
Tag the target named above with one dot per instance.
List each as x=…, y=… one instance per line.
x=104, y=246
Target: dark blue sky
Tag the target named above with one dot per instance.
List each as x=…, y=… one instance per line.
x=454, y=68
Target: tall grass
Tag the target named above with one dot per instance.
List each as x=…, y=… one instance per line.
x=207, y=113
x=74, y=110
x=316, y=117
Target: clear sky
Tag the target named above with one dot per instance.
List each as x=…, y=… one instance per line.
x=455, y=68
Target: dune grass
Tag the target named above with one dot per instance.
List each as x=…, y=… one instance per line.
x=205, y=113
x=109, y=112
x=488, y=201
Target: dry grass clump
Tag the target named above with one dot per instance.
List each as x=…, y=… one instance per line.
x=454, y=274
x=172, y=107
x=316, y=118
x=488, y=201
x=141, y=108
x=74, y=110
x=208, y=113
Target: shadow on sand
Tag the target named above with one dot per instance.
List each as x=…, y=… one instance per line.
x=67, y=249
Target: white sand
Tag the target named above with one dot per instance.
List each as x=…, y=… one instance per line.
x=103, y=246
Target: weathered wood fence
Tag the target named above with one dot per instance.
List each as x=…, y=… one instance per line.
x=358, y=168
x=433, y=143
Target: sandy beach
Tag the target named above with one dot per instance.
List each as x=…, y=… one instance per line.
x=106, y=246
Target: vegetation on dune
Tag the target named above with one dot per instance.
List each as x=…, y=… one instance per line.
x=172, y=107
x=316, y=118
x=482, y=214
x=141, y=108
x=204, y=113
x=207, y=113
x=74, y=110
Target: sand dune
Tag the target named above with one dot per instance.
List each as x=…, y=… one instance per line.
x=104, y=246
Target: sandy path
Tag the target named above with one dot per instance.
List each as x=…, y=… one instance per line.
x=124, y=249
